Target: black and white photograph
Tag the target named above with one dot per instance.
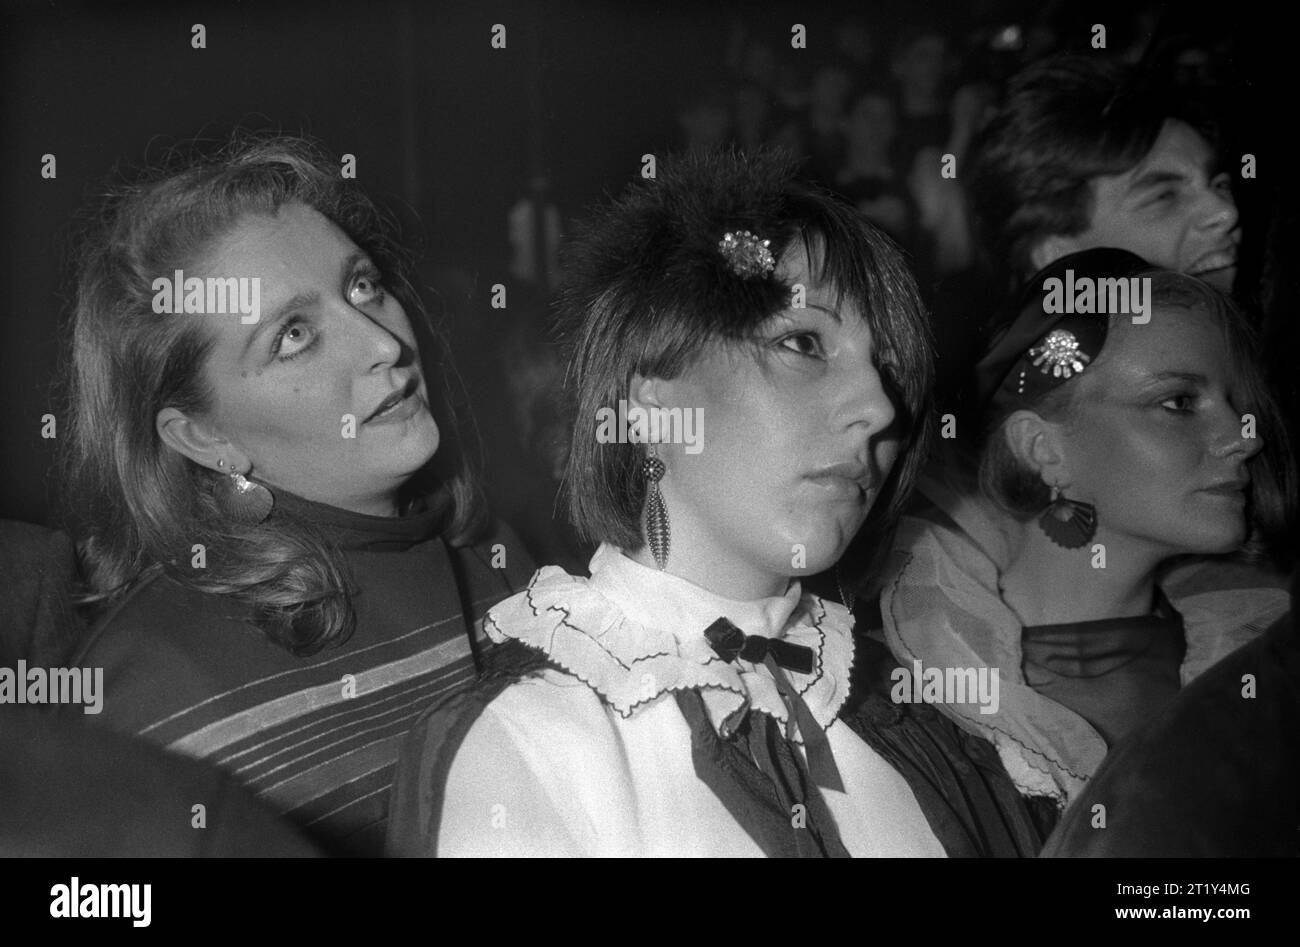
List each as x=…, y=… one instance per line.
x=589, y=429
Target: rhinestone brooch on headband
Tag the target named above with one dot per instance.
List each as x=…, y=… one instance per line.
x=746, y=254
x=1059, y=354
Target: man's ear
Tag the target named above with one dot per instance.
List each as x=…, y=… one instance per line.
x=1050, y=249
x=1036, y=443
x=197, y=441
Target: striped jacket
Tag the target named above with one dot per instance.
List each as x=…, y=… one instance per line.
x=316, y=737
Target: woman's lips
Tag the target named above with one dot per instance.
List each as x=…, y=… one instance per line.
x=1227, y=490
x=849, y=479
x=399, y=410
x=838, y=486
x=394, y=403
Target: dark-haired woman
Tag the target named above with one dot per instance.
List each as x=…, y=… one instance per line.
x=768, y=350
x=286, y=549
x=1132, y=464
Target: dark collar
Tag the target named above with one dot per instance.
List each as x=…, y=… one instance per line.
x=361, y=531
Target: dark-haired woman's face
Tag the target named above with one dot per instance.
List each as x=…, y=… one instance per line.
x=796, y=441
x=1155, y=440
x=296, y=394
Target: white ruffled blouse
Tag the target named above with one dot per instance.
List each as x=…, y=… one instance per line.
x=595, y=759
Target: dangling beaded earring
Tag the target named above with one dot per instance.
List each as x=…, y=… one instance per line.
x=656, y=514
x=242, y=500
x=1068, y=523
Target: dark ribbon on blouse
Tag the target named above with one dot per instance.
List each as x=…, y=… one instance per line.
x=760, y=779
x=729, y=642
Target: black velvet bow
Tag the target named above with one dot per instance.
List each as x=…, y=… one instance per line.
x=730, y=643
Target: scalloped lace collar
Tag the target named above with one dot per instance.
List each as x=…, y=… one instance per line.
x=633, y=634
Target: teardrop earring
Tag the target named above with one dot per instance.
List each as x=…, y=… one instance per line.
x=657, y=532
x=1068, y=523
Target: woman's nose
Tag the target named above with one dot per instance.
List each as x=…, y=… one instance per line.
x=380, y=344
x=1238, y=437
x=866, y=400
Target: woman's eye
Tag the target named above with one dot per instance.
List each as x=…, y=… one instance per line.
x=366, y=289
x=1180, y=404
x=887, y=369
x=808, y=344
x=292, y=340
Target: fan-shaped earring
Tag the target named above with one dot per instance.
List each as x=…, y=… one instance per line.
x=1068, y=523
x=242, y=500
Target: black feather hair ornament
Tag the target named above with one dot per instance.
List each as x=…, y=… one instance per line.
x=703, y=237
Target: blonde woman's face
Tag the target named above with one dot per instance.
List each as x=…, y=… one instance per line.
x=1158, y=441
x=297, y=393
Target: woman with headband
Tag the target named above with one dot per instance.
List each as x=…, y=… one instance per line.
x=1130, y=462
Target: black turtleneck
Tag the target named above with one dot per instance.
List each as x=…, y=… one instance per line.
x=361, y=531
x=316, y=737
x=1116, y=673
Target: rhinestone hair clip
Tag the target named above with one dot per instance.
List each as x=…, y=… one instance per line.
x=1059, y=354
x=746, y=254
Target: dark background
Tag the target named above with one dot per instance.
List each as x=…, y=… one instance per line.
x=447, y=131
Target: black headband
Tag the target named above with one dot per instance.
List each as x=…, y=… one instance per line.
x=1037, y=349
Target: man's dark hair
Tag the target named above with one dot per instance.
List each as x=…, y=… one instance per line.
x=1065, y=121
